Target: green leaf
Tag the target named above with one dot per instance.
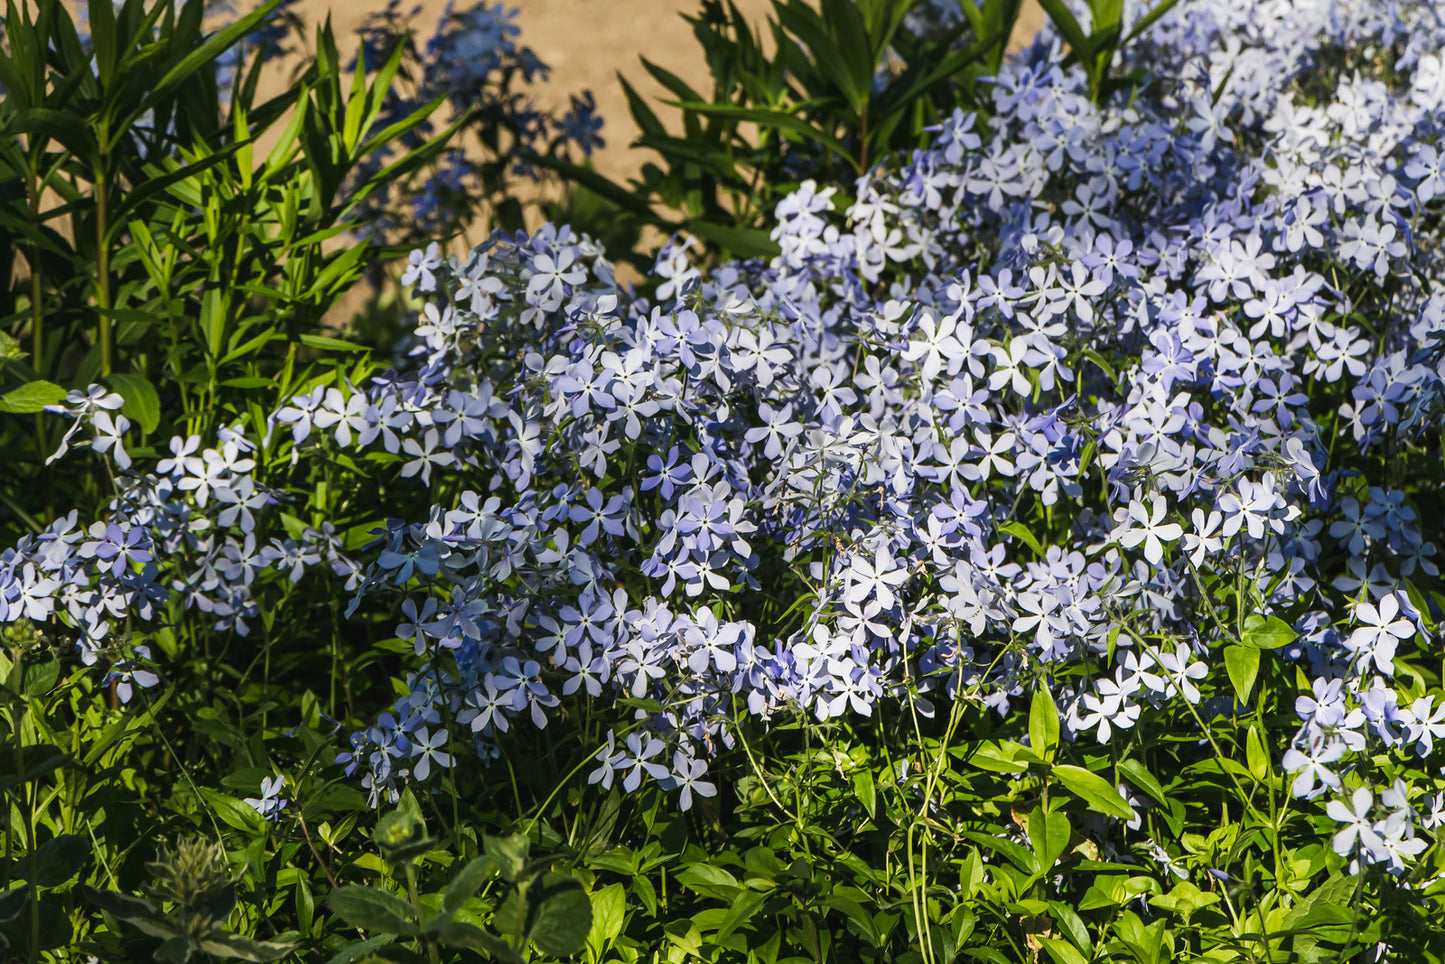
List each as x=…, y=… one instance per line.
x=202, y=55
x=1184, y=899
x=177, y=950
x=142, y=404
x=327, y=343
x=1100, y=363
x=401, y=835
x=560, y=914
x=27, y=763
x=245, y=948
x=1073, y=32
x=12, y=902
x=1043, y=723
x=1006, y=756
x=461, y=934
x=40, y=675
x=609, y=914
x=866, y=792
x=1020, y=856
x=766, y=118
x=1061, y=951
x=740, y=911
x=1140, y=776
x=31, y=397
x=744, y=242
x=130, y=909
x=58, y=860
x=373, y=910
x=850, y=909
x=1049, y=835
x=1071, y=924
x=68, y=128
x=467, y=882
x=359, y=950
x=1020, y=531
x=235, y=813
x=709, y=880
x=1266, y=633
x=1094, y=790
x=508, y=854
x=1256, y=754
x=1242, y=663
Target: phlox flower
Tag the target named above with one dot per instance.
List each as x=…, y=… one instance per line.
x=427, y=748
x=687, y=773
x=270, y=803
x=1379, y=633
x=1358, y=831
x=1147, y=526
x=1311, y=766
x=1183, y=670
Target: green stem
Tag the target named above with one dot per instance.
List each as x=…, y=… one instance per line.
x=431, y=944
x=102, y=269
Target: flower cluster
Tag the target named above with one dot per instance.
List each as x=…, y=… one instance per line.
x=1083, y=395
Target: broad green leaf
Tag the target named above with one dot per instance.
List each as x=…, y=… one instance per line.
x=130, y=909
x=867, y=793
x=1071, y=924
x=1061, y=951
x=1004, y=756
x=245, y=948
x=233, y=812
x=709, y=880
x=609, y=914
x=373, y=910
x=178, y=950
x=60, y=859
x=1018, y=855
x=39, y=675
x=1021, y=532
x=1043, y=723
x=31, y=397
x=508, y=855
x=767, y=117
x=467, y=882
x=850, y=909
x=1256, y=754
x=560, y=914
x=360, y=950
x=1266, y=633
x=1140, y=776
x=12, y=902
x=1049, y=836
x=142, y=404
x=1094, y=790
x=1242, y=664
x=1184, y=899
x=461, y=934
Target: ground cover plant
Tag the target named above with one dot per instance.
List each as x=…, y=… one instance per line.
x=1032, y=560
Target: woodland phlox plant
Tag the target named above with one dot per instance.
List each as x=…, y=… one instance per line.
x=1098, y=399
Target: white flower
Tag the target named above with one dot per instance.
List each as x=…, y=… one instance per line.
x=1147, y=529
